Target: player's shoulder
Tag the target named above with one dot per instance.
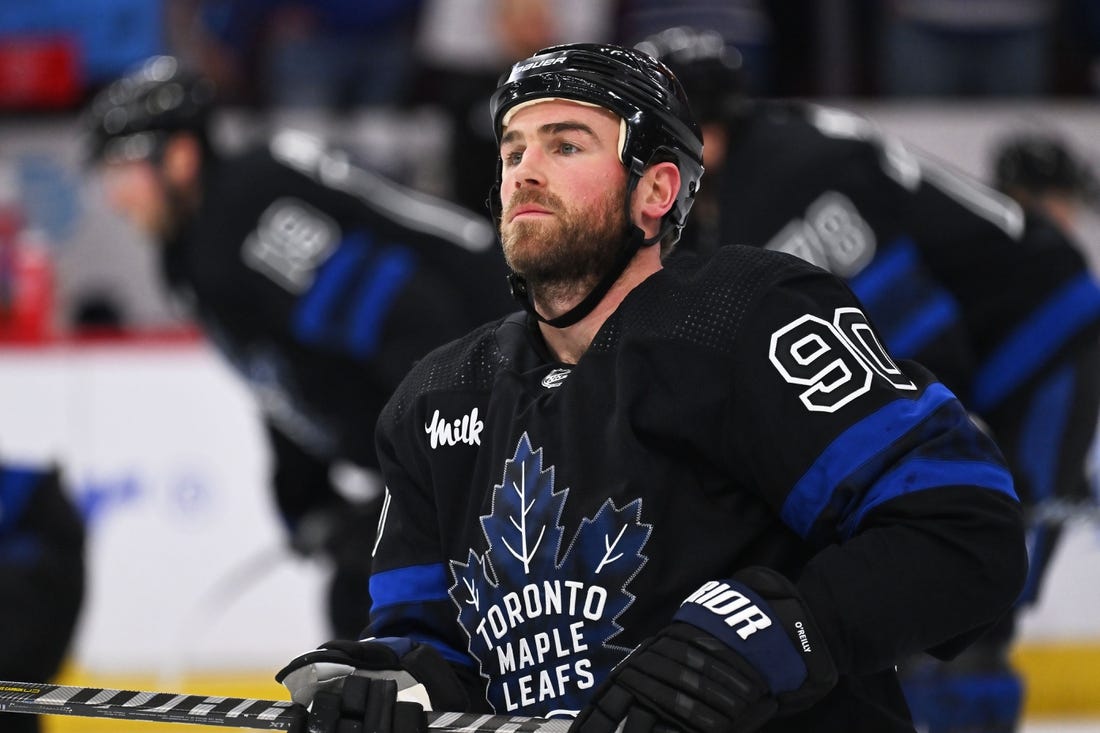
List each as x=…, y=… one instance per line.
x=735, y=267
x=244, y=183
x=469, y=363
x=704, y=300
x=415, y=214
x=811, y=130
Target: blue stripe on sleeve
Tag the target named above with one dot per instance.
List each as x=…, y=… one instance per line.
x=1040, y=443
x=878, y=283
x=16, y=487
x=314, y=314
x=1023, y=352
x=1043, y=430
x=923, y=325
x=857, y=445
x=413, y=584
x=449, y=652
x=893, y=264
x=393, y=267
x=917, y=474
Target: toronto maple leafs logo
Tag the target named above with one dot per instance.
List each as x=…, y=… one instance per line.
x=540, y=620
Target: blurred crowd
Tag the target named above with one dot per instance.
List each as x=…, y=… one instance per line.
x=341, y=53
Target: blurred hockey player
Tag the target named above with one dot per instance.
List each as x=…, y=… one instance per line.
x=994, y=300
x=319, y=280
x=1044, y=174
x=42, y=560
x=676, y=494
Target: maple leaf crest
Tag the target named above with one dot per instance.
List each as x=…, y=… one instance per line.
x=540, y=620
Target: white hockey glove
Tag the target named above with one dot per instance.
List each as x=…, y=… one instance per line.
x=738, y=653
x=372, y=686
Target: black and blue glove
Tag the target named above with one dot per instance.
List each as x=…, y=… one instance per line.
x=738, y=653
x=372, y=686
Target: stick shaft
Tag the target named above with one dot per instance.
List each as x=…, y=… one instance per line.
x=229, y=712
x=162, y=707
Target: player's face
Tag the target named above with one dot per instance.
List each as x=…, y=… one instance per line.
x=134, y=190
x=562, y=192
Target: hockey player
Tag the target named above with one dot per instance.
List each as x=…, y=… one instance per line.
x=1042, y=173
x=319, y=280
x=996, y=302
x=695, y=496
x=42, y=560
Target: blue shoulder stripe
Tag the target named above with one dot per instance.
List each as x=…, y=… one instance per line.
x=413, y=584
x=858, y=446
x=1022, y=354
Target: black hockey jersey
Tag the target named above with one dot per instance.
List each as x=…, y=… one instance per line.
x=42, y=556
x=995, y=301
x=542, y=519
x=322, y=283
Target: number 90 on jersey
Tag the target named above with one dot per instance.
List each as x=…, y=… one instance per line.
x=834, y=361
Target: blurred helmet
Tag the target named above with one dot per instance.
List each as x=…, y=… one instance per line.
x=709, y=69
x=1039, y=163
x=659, y=125
x=130, y=117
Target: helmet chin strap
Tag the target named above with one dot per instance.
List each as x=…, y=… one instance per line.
x=636, y=240
x=522, y=293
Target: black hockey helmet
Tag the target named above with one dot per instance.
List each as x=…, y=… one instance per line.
x=659, y=124
x=709, y=69
x=1036, y=163
x=131, y=116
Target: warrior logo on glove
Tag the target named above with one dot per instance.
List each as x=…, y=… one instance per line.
x=736, y=609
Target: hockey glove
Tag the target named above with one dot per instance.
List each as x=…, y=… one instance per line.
x=738, y=653
x=372, y=686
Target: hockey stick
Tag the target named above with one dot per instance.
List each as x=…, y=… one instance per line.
x=230, y=712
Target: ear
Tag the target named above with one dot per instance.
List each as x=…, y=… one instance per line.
x=182, y=160
x=655, y=195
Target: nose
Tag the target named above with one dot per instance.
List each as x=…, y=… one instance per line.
x=528, y=171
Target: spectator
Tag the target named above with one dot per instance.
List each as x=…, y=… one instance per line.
x=314, y=54
x=982, y=48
